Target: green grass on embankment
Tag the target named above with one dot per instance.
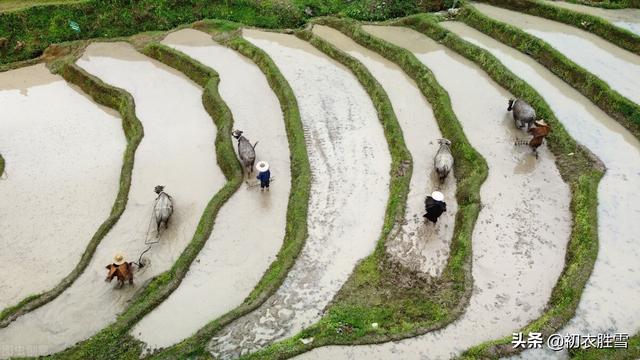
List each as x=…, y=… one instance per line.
x=608, y=4
x=122, y=102
x=113, y=341
x=578, y=168
x=1, y=165
x=591, y=23
x=403, y=303
x=630, y=353
x=296, y=230
x=30, y=30
x=625, y=111
x=14, y=5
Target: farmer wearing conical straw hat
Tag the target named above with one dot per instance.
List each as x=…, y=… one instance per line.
x=264, y=175
x=434, y=206
x=539, y=132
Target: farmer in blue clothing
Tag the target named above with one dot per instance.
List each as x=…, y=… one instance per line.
x=264, y=175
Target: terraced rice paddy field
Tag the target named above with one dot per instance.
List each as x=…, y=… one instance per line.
x=335, y=259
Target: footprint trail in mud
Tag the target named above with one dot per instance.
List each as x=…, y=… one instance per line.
x=350, y=165
x=605, y=305
x=250, y=226
x=63, y=157
x=514, y=268
x=177, y=151
x=421, y=246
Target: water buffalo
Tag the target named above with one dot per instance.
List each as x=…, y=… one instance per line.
x=523, y=114
x=443, y=161
x=162, y=209
x=246, y=151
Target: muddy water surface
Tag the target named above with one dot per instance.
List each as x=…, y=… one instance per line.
x=617, y=67
x=608, y=303
x=177, y=151
x=250, y=227
x=514, y=268
x=625, y=18
x=420, y=245
x=63, y=156
x=350, y=177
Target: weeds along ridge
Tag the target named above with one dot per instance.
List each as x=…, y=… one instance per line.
x=31, y=29
x=402, y=302
x=611, y=102
x=578, y=167
x=122, y=102
x=114, y=341
x=594, y=24
x=296, y=231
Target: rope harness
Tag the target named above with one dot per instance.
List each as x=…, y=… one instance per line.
x=150, y=240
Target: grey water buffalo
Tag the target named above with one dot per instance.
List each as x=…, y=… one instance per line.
x=246, y=151
x=523, y=114
x=162, y=209
x=443, y=161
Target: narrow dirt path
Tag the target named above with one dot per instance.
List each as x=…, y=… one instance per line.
x=420, y=245
x=177, y=151
x=607, y=304
x=514, y=267
x=350, y=165
x=617, y=67
x=624, y=18
x=250, y=226
x=63, y=156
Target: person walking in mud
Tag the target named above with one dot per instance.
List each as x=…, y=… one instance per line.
x=434, y=206
x=264, y=175
x=539, y=132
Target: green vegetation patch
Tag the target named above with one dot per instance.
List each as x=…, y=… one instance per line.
x=121, y=101
x=578, y=168
x=608, y=4
x=296, y=230
x=615, y=105
x=630, y=353
x=26, y=32
x=403, y=303
x=594, y=24
x=113, y=341
x=1, y=165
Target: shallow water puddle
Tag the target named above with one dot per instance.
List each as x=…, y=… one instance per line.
x=608, y=303
x=625, y=18
x=63, y=156
x=250, y=227
x=420, y=245
x=350, y=166
x=617, y=67
x=514, y=268
x=177, y=151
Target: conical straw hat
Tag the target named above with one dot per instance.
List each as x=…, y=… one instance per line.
x=262, y=166
x=437, y=195
x=119, y=258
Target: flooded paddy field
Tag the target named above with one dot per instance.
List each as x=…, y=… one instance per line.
x=350, y=164
x=63, y=156
x=605, y=305
x=177, y=151
x=421, y=246
x=628, y=19
x=250, y=227
x=514, y=269
x=617, y=67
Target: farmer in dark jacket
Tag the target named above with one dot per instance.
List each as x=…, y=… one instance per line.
x=264, y=175
x=434, y=205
